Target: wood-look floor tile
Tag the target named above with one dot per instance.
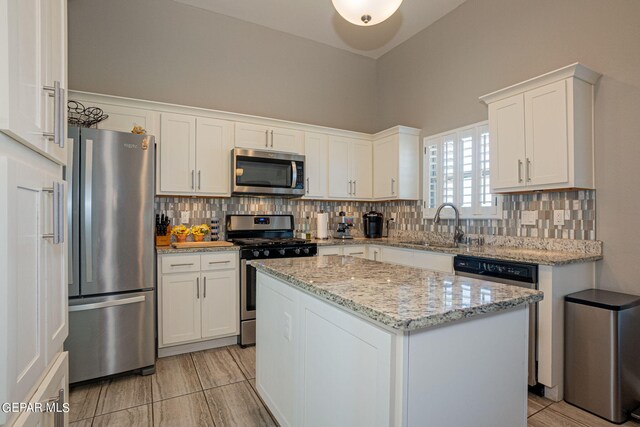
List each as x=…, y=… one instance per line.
x=579, y=415
x=82, y=423
x=216, y=367
x=237, y=405
x=175, y=376
x=190, y=410
x=549, y=418
x=246, y=359
x=123, y=393
x=83, y=401
x=536, y=403
x=140, y=416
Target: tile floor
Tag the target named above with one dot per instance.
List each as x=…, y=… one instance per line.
x=217, y=388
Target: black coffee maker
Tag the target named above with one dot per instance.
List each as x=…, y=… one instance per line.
x=373, y=224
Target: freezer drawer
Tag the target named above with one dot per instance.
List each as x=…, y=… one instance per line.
x=110, y=334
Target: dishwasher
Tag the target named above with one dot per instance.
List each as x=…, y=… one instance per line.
x=510, y=273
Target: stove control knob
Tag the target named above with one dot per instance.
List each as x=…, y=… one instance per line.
x=266, y=252
x=297, y=251
x=281, y=251
x=306, y=251
x=256, y=253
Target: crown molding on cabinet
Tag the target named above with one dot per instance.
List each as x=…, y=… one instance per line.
x=576, y=70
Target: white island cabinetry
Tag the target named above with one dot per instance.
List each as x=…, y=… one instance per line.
x=319, y=364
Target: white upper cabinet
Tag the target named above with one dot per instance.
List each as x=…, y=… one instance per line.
x=214, y=142
x=396, y=164
x=124, y=119
x=542, y=132
x=350, y=168
x=316, y=149
x=259, y=137
x=194, y=155
x=33, y=85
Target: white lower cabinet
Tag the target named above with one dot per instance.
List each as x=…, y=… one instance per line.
x=197, y=305
x=410, y=257
x=54, y=391
x=292, y=361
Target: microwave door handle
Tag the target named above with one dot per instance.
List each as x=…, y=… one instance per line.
x=294, y=174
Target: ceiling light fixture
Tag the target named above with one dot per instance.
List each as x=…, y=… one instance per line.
x=366, y=12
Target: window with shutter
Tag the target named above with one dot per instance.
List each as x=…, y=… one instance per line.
x=457, y=169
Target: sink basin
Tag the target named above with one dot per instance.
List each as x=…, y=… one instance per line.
x=431, y=244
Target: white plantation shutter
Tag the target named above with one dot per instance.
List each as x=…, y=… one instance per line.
x=457, y=169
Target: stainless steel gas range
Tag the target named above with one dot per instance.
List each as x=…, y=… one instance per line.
x=261, y=237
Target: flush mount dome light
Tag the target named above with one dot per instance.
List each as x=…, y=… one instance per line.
x=366, y=12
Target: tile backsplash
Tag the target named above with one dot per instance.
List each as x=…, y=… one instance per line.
x=407, y=214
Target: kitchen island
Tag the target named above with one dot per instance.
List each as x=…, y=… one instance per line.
x=352, y=342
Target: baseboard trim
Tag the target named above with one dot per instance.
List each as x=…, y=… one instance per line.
x=197, y=346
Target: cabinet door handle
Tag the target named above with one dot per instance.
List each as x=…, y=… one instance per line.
x=57, y=192
x=349, y=187
x=266, y=138
x=181, y=265
x=204, y=291
x=528, y=170
x=307, y=185
x=219, y=262
x=375, y=255
x=57, y=93
x=272, y=139
x=519, y=170
x=193, y=179
x=393, y=181
x=198, y=287
x=355, y=189
x=199, y=178
x=58, y=417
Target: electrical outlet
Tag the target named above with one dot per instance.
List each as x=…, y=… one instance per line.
x=567, y=215
x=529, y=217
x=184, y=217
x=558, y=217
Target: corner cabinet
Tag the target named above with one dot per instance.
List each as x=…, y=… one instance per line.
x=259, y=137
x=350, y=168
x=396, y=155
x=33, y=49
x=542, y=132
x=194, y=155
x=198, y=297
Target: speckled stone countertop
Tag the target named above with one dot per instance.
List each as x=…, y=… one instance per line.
x=399, y=297
x=161, y=250
x=505, y=253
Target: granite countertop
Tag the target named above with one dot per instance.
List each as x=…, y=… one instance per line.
x=505, y=253
x=399, y=297
x=161, y=250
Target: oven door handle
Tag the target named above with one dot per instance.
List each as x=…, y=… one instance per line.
x=294, y=174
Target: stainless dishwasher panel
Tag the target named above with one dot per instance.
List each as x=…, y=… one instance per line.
x=533, y=320
x=110, y=334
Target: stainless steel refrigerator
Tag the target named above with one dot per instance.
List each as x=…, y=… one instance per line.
x=112, y=254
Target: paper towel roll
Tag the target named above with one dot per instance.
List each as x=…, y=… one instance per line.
x=322, y=230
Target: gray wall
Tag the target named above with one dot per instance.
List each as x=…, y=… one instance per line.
x=433, y=81
x=165, y=51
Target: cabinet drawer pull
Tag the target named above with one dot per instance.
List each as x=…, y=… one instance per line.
x=356, y=253
x=219, y=262
x=182, y=265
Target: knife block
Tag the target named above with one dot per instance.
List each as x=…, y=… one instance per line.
x=164, y=240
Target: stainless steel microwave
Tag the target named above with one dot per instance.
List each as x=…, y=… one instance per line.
x=255, y=172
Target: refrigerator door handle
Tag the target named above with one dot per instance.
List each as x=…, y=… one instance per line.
x=88, y=237
x=105, y=304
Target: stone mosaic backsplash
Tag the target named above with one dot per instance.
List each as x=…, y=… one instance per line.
x=407, y=214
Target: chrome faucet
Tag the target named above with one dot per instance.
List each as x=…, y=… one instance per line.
x=457, y=235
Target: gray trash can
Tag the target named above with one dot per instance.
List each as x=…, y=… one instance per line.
x=602, y=353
